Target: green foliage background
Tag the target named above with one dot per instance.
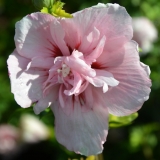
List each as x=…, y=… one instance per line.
x=140, y=140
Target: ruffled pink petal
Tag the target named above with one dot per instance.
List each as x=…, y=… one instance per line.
x=65, y=101
x=103, y=79
x=58, y=35
x=52, y=78
x=87, y=99
x=97, y=51
x=82, y=132
x=146, y=68
x=46, y=101
x=111, y=21
x=79, y=65
x=41, y=62
x=33, y=37
x=83, y=86
x=134, y=86
x=76, y=85
x=90, y=41
x=26, y=85
x=113, y=52
x=72, y=32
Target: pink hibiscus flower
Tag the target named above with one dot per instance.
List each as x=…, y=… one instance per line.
x=83, y=68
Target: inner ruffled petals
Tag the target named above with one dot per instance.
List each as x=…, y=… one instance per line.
x=103, y=79
x=75, y=73
x=97, y=51
x=76, y=85
x=58, y=35
x=79, y=65
x=90, y=41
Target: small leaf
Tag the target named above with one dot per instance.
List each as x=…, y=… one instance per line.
x=44, y=10
x=57, y=10
x=140, y=49
x=47, y=111
x=115, y=121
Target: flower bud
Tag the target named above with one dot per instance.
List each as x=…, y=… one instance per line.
x=39, y=4
x=144, y=36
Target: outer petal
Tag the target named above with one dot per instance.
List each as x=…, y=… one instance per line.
x=26, y=85
x=41, y=62
x=111, y=21
x=82, y=132
x=87, y=99
x=46, y=101
x=33, y=37
x=146, y=68
x=113, y=53
x=134, y=86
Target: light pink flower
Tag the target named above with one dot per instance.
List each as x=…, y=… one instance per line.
x=144, y=33
x=32, y=129
x=83, y=68
x=9, y=137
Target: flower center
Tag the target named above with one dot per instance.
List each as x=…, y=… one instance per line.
x=65, y=70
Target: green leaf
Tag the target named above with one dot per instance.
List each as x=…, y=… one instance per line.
x=57, y=10
x=44, y=10
x=39, y=4
x=14, y=117
x=143, y=135
x=115, y=121
x=140, y=49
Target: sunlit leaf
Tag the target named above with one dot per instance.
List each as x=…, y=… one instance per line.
x=57, y=10
x=140, y=49
x=143, y=135
x=115, y=121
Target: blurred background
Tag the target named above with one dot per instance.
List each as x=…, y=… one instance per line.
x=24, y=135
